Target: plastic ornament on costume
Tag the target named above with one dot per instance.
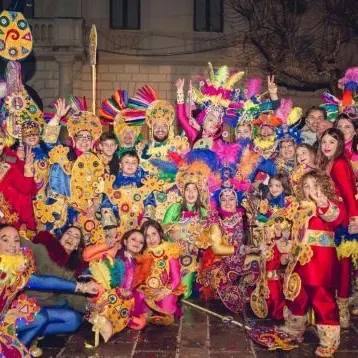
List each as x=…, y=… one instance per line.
x=157, y=280
x=15, y=36
x=289, y=116
x=130, y=199
x=16, y=43
x=7, y=216
x=114, y=317
x=155, y=110
x=15, y=272
x=214, y=98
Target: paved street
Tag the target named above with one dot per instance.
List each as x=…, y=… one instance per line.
x=195, y=335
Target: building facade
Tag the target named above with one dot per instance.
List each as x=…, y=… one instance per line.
x=139, y=41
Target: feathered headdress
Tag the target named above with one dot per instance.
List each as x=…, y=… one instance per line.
x=114, y=110
x=154, y=109
x=218, y=185
x=348, y=103
x=80, y=119
x=289, y=116
x=216, y=93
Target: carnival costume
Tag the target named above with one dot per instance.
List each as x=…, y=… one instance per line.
x=312, y=274
x=16, y=192
x=72, y=176
x=267, y=300
x=116, y=111
x=188, y=222
x=20, y=314
x=118, y=305
x=215, y=99
x=154, y=111
x=161, y=283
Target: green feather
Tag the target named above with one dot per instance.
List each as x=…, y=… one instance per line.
x=221, y=76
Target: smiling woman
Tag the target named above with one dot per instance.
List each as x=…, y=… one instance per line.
x=61, y=258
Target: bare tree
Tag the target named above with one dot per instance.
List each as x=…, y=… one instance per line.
x=306, y=44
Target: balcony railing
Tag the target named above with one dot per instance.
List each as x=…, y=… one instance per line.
x=56, y=34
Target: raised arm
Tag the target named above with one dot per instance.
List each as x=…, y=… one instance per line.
x=183, y=120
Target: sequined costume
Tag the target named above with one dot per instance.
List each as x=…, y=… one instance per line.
x=20, y=314
x=161, y=285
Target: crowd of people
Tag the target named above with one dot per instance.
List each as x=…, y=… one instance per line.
x=231, y=194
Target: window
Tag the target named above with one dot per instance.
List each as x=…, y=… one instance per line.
x=29, y=9
x=125, y=14
x=25, y=6
x=208, y=15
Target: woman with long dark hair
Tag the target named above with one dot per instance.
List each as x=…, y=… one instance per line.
x=182, y=221
x=161, y=278
x=61, y=257
x=331, y=158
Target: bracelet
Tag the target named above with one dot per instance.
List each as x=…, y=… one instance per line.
x=180, y=96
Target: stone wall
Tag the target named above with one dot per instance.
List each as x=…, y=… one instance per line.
x=111, y=77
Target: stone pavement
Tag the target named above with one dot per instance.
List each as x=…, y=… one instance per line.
x=195, y=335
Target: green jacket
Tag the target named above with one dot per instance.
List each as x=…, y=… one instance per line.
x=45, y=266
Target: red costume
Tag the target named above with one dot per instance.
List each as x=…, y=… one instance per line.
x=276, y=301
x=312, y=275
x=343, y=177
x=18, y=191
x=318, y=266
x=270, y=285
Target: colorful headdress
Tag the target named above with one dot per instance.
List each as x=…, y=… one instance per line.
x=30, y=128
x=216, y=93
x=115, y=110
x=348, y=103
x=195, y=173
x=218, y=185
x=15, y=36
x=267, y=119
x=154, y=109
x=80, y=119
x=290, y=116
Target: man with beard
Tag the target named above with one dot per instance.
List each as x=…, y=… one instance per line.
x=159, y=117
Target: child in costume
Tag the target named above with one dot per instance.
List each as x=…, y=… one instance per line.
x=306, y=161
x=267, y=300
x=21, y=313
x=118, y=305
x=278, y=196
x=126, y=122
x=161, y=285
x=129, y=195
x=184, y=221
x=108, y=152
x=312, y=275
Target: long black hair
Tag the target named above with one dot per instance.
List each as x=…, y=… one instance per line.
x=355, y=126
